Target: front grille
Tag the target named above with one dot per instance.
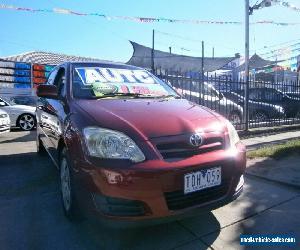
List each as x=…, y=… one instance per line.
x=178, y=200
x=184, y=149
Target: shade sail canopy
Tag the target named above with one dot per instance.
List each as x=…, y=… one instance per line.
x=142, y=58
x=257, y=62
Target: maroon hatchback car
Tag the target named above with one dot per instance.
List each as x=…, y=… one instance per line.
x=129, y=148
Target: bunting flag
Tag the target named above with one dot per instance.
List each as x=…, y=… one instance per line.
x=149, y=19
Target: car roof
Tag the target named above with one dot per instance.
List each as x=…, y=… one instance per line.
x=104, y=64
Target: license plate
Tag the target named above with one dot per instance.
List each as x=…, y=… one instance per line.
x=202, y=179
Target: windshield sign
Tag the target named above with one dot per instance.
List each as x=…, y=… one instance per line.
x=104, y=81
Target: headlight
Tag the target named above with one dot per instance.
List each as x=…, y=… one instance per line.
x=233, y=135
x=110, y=144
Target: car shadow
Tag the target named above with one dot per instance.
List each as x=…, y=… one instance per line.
x=32, y=217
x=17, y=135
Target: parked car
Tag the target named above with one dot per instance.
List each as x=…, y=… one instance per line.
x=206, y=95
x=20, y=115
x=258, y=111
x=24, y=100
x=295, y=95
x=129, y=148
x=290, y=105
x=4, y=122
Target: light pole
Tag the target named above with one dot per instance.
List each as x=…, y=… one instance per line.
x=246, y=104
x=248, y=12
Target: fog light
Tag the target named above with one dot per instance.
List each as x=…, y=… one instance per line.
x=118, y=207
x=240, y=184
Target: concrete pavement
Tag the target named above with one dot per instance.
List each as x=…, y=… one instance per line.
x=31, y=215
x=260, y=141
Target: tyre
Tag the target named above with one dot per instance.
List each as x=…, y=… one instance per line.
x=235, y=118
x=26, y=122
x=260, y=116
x=69, y=203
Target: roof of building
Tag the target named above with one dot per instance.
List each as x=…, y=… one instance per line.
x=257, y=62
x=49, y=58
x=173, y=62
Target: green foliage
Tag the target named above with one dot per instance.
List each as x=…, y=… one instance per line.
x=276, y=151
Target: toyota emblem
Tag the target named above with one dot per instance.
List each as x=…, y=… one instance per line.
x=196, y=140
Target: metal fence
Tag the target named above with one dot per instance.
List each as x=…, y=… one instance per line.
x=270, y=103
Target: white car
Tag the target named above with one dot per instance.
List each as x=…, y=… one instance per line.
x=20, y=115
x=4, y=122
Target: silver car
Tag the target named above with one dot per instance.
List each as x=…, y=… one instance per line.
x=20, y=115
x=4, y=122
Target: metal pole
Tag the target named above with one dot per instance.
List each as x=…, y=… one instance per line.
x=202, y=60
x=276, y=76
x=213, y=52
x=152, y=52
x=246, y=106
x=170, y=50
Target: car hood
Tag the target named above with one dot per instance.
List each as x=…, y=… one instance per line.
x=25, y=108
x=229, y=103
x=151, y=118
x=2, y=112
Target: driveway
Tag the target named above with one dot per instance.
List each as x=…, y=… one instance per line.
x=32, y=218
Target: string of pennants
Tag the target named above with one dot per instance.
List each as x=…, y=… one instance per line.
x=19, y=75
x=142, y=19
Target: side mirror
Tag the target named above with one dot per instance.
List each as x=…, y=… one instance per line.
x=2, y=104
x=47, y=91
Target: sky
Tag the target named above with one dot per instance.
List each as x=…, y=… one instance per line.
x=97, y=37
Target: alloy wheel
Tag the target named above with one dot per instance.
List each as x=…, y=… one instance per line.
x=26, y=122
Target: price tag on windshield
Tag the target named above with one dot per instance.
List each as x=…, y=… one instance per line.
x=111, y=80
x=90, y=75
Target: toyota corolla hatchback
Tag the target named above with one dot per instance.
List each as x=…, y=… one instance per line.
x=129, y=148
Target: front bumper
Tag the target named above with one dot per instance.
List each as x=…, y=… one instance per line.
x=4, y=128
x=154, y=189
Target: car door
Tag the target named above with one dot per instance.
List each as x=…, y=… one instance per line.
x=54, y=112
x=44, y=114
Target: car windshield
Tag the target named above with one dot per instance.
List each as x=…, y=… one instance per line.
x=7, y=100
x=111, y=82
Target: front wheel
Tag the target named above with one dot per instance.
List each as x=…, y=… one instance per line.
x=66, y=185
x=26, y=122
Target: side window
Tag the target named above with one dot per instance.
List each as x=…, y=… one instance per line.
x=273, y=95
x=60, y=82
x=51, y=77
x=256, y=95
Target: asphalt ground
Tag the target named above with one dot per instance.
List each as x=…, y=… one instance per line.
x=31, y=216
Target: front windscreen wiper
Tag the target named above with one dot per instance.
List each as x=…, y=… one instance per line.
x=135, y=95
x=168, y=96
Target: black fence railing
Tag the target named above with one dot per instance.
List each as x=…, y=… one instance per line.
x=270, y=103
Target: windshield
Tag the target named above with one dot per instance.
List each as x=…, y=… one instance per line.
x=101, y=82
x=7, y=101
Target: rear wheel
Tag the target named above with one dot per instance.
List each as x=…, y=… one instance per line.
x=26, y=122
x=259, y=116
x=235, y=118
